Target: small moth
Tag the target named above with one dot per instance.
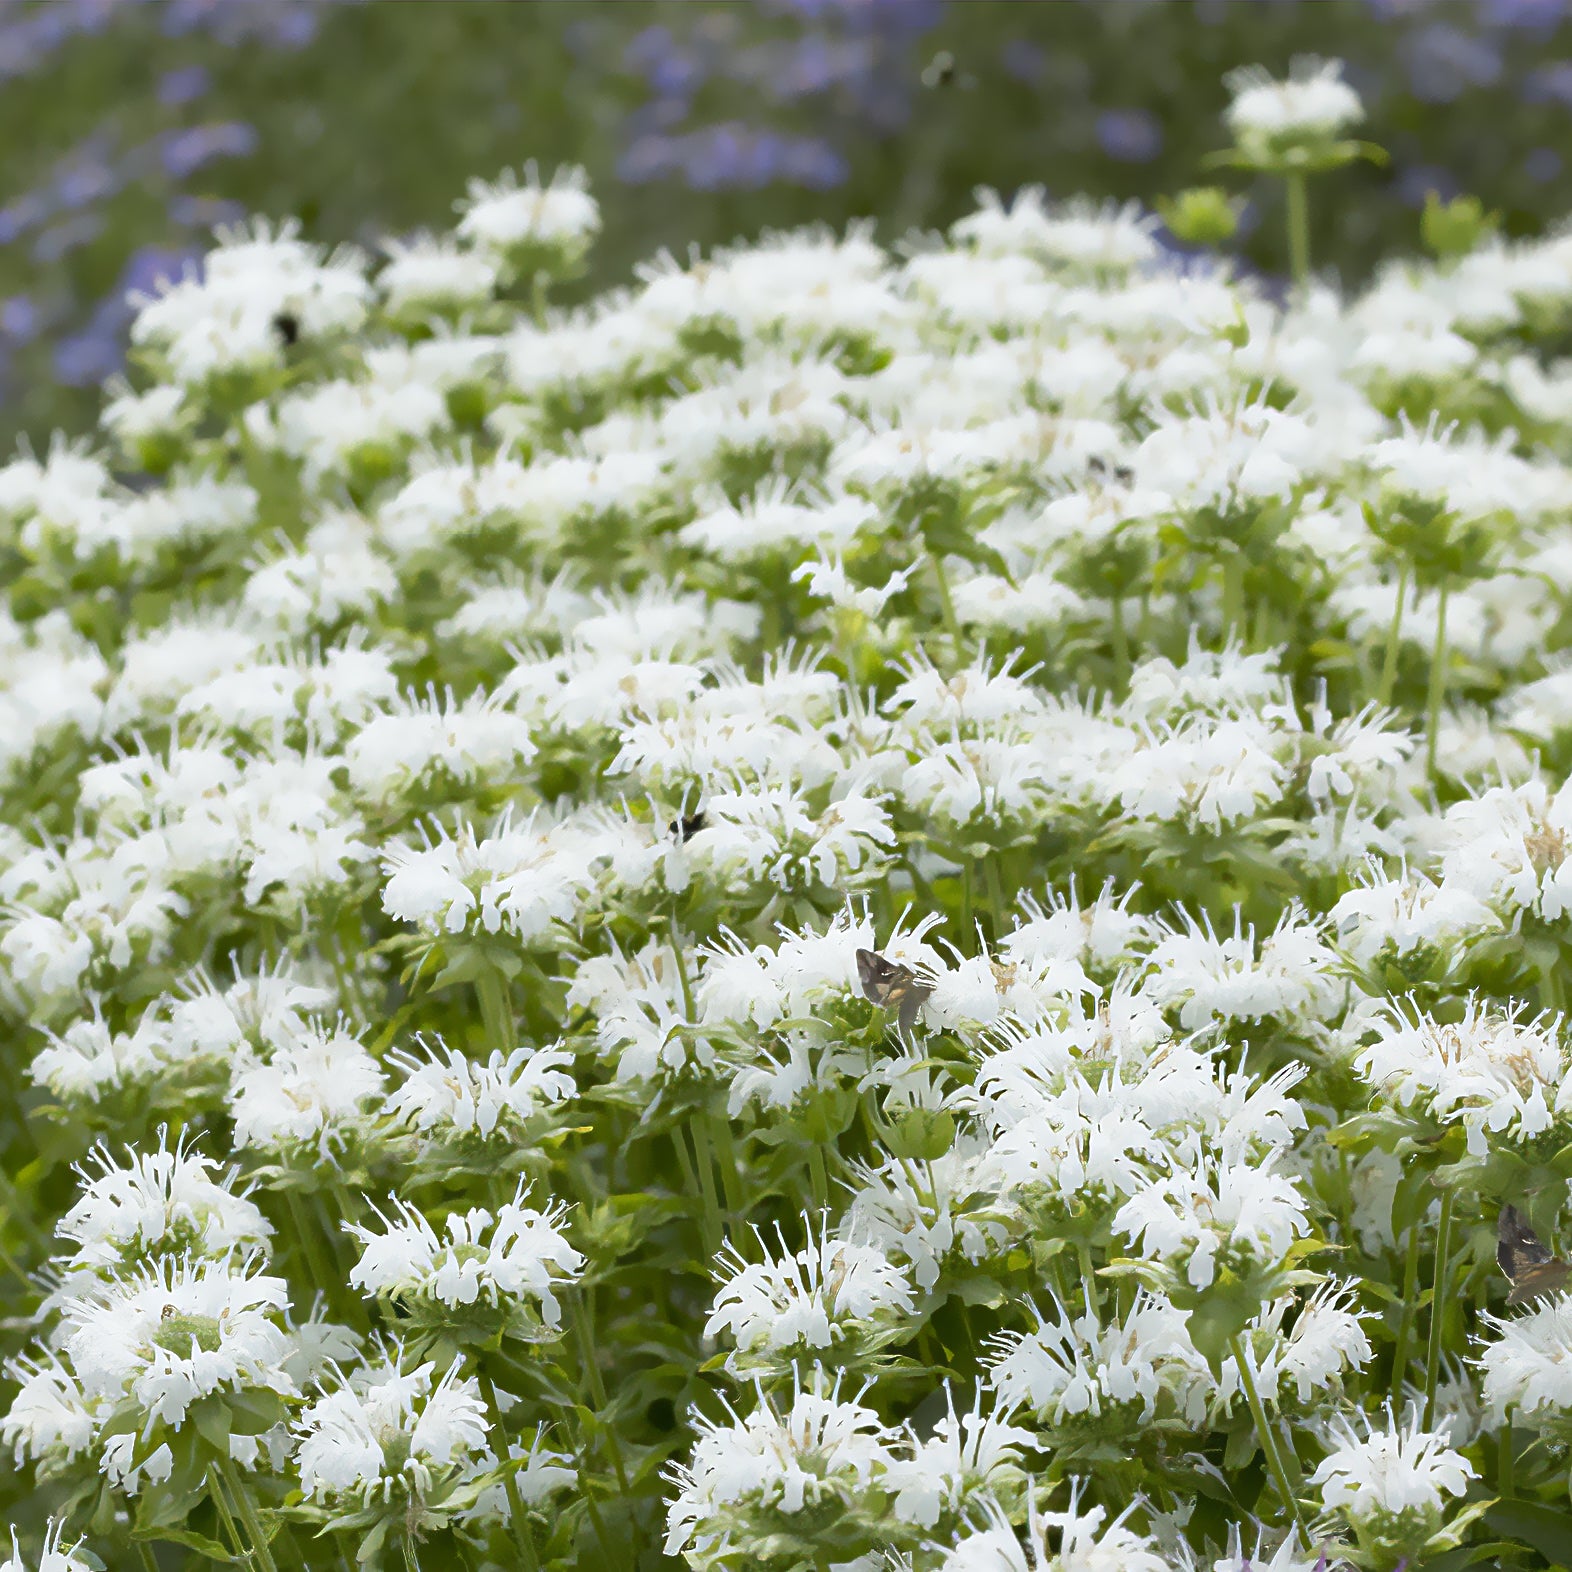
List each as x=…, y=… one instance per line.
x=1531, y=1269
x=892, y=986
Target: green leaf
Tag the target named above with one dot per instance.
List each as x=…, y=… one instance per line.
x=1547, y=1529
x=191, y=1539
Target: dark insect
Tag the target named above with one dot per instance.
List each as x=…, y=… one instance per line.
x=1102, y=471
x=892, y=986
x=1531, y=1269
x=287, y=325
x=687, y=826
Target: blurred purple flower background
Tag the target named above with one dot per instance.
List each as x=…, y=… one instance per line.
x=136, y=125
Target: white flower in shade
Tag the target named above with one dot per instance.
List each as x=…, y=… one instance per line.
x=770, y=835
x=973, y=1458
x=1391, y=1483
x=383, y=1434
x=513, y=220
x=829, y=1293
x=932, y=1214
x=317, y=1089
x=1508, y=848
x=1069, y=1541
x=50, y=1419
x=1288, y=978
x=176, y=1331
x=1078, y=1374
x=1527, y=1366
x=54, y=1556
x=1493, y=1072
x=778, y=520
x=162, y=1202
x=431, y=274
x=1268, y=116
x=512, y=1262
x=821, y=1451
x=446, y=1092
x=1226, y=460
x=1327, y=1338
x=1408, y=916
x=1244, y=1213
x=1288, y=1557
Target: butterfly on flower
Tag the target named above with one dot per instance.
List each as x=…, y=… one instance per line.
x=1531, y=1269
x=892, y=986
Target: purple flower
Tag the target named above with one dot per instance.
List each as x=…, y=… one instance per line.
x=186, y=151
x=1444, y=62
x=1130, y=135
x=182, y=85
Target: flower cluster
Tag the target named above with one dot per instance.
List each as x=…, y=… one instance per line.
x=932, y=883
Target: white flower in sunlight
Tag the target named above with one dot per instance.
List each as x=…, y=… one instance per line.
x=519, y=1256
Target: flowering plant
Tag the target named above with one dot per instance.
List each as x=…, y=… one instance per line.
x=846, y=910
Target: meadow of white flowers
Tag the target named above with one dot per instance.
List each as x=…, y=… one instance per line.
x=455, y=749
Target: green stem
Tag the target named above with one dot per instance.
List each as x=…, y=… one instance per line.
x=1437, y=682
x=496, y=1011
x=1088, y=1277
x=995, y=895
x=1298, y=229
x=522, y=1536
x=1274, y=1462
x=1437, y=1298
x=704, y=1161
x=966, y=897
x=1121, y=646
x=1405, y=1326
x=215, y=1492
x=309, y=1235
x=249, y=1516
x=946, y=605
x=1393, y=634
x=584, y=1327
x=1233, y=598
x=820, y=1177
x=145, y=1555
x=683, y=980
x=411, y=1560
x=726, y=1153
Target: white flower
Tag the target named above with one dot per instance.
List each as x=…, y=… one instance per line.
x=1208, y=978
x=450, y=1092
x=1073, y=1371
x=53, y=1557
x=430, y=274
x=1081, y=1542
x=831, y=1291
x=819, y=1450
x=1313, y=104
x=51, y=1419
x=966, y=1459
x=161, y=1202
x=318, y=1087
x=382, y=1433
x=1493, y=1073
x=519, y=1255
x=1395, y=1472
x=1245, y=1212
x=176, y=1331
x=506, y=218
x=1527, y=1366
